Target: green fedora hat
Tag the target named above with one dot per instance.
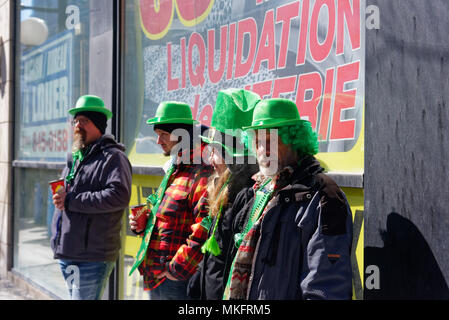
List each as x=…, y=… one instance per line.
x=172, y=112
x=233, y=110
x=90, y=103
x=274, y=113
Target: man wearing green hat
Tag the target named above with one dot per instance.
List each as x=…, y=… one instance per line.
x=170, y=250
x=234, y=166
x=87, y=220
x=297, y=240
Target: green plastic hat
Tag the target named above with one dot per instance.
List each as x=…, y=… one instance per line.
x=172, y=112
x=274, y=113
x=90, y=103
x=233, y=110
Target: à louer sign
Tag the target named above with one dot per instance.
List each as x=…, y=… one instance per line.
x=45, y=98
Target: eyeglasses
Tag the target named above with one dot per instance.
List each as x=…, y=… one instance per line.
x=82, y=121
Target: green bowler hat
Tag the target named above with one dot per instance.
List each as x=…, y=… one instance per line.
x=90, y=103
x=233, y=110
x=274, y=113
x=172, y=112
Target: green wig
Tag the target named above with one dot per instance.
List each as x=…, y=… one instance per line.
x=301, y=137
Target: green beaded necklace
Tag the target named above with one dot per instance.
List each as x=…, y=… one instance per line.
x=262, y=198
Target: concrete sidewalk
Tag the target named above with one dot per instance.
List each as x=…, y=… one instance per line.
x=12, y=290
x=9, y=291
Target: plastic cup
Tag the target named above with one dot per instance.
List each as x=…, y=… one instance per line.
x=57, y=185
x=139, y=213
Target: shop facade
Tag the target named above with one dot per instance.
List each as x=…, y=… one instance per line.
x=135, y=54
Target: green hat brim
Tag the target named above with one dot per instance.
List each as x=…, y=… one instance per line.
x=233, y=152
x=158, y=120
x=102, y=110
x=266, y=124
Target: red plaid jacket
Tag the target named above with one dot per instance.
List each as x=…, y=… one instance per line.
x=176, y=241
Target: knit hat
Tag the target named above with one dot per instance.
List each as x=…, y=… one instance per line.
x=98, y=119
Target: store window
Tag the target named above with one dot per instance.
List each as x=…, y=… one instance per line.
x=64, y=50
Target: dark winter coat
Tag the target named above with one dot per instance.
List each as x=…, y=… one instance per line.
x=304, y=247
x=89, y=227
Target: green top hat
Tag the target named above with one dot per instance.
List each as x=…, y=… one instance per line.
x=274, y=113
x=90, y=103
x=172, y=112
x=233, y=110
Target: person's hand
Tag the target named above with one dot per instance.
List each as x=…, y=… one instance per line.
x=166, y=274
x=133, y=224
x=59, y=199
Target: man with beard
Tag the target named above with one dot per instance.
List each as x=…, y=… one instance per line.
x=234, y=166
x=296, y=243
x=170, y=250
x=87, y=221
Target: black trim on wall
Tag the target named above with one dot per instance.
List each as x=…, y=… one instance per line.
x=114, y=280
x=13, y=14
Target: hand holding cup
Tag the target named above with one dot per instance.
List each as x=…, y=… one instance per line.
x=59, y=193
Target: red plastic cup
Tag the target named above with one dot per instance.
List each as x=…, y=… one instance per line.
x=139, y=213
x=57, y=185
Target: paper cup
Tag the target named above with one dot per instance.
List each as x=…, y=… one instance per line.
x=57, y=185
x=139, y=213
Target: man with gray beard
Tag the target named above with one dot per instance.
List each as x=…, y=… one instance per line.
x=87, y=220
x=296, y=242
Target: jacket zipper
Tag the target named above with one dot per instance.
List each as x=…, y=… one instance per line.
x=58, y=230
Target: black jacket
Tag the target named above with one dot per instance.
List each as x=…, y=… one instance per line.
x=89, y=227
x=209, y=281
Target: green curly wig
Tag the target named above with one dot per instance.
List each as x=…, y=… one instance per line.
x=301, y=137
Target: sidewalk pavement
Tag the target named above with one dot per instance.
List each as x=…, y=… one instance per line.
x=9, y=291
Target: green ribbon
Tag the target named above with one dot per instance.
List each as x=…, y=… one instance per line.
x=78, y=155
x=211, y=244
x=260, y=202
x=154, y=200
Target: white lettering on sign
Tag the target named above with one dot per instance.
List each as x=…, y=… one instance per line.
x=34, y=68
x=49, y=100
x=57, y=59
